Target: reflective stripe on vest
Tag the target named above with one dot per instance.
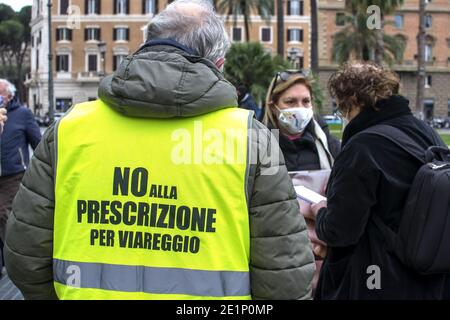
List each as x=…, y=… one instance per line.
x=151, y=208
x=152, y=280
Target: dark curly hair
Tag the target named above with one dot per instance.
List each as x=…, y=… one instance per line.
x=362, y=84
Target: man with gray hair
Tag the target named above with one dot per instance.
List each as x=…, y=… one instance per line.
x=20, y=132
x=159, y=190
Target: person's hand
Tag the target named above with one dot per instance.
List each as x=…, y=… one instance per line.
x=316, y=207
x=311, y=225
x=320, y=250
x=305, y=209
x=3, y=118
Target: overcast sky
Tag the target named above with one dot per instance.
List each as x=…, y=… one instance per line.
x=17, y=4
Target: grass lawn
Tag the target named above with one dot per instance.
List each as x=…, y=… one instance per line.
x=336, y=130
x=446, y=138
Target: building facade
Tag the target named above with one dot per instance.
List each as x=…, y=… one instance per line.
x=404, y=23
x=91, y=37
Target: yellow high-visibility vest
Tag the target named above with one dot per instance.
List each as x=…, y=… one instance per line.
x=151, y=208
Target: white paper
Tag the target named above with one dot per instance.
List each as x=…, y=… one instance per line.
x=308, y=195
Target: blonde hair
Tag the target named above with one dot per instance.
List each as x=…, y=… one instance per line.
x=276, y=90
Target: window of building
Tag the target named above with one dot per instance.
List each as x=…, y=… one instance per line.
x=121, y=34
x=63, y=104
x=295, y=35
x=121, y=7
x=237, y=34
x=37, y=59
x=428, y=21
x=149, y=6
x=92, y=6
x=448, y=107
x=62, y=63
x=428, y=53
x=301, y=62
x=118, y=60
x=295, y=8
x=340, y=19
x=92, y=62
x=63, y=6
x=92, y=34
x=428, y=81
x=266, y=34
x=63, y=34
x=399, y=21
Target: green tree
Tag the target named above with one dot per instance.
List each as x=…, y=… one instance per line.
x=15, y=36
x=236, y=8
x=357, y=41
x=250, y=65
x=387, y=7
x=6, y=12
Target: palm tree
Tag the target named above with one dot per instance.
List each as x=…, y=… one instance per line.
x=421, y=58
x=357, y=41
x=244, y=8
x=250, y=65
x=314, y=38
x=387, y=7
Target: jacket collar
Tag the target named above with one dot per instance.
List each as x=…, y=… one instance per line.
x=163, y=80
x=168, y=42
x=393, y=107
x=13, y=104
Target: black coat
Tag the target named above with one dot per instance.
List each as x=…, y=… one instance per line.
x=372, y=176
x=301, y=154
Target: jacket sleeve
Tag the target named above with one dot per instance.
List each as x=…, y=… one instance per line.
x=344, y=220
x=33, y=133
x=29, y=232
x=281, y=259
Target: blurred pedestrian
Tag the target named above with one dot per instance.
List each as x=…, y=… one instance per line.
x=19, y=132
x=369, y=182
x=176, y=222
x=246, y=101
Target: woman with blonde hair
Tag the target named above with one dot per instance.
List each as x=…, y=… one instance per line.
x=304, y=137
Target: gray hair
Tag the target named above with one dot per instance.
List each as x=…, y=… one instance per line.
x=201, y=30
x=9, y=87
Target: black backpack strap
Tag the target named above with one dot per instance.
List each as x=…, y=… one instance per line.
x=399, y=138
x=403, y=141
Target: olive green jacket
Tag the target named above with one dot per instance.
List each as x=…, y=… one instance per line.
x=163, y=82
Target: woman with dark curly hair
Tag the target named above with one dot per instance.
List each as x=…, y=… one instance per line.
x=371, y=177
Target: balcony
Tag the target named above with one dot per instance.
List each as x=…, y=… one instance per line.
x=90, y=76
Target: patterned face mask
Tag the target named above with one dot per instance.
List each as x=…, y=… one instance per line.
x=295, y=120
